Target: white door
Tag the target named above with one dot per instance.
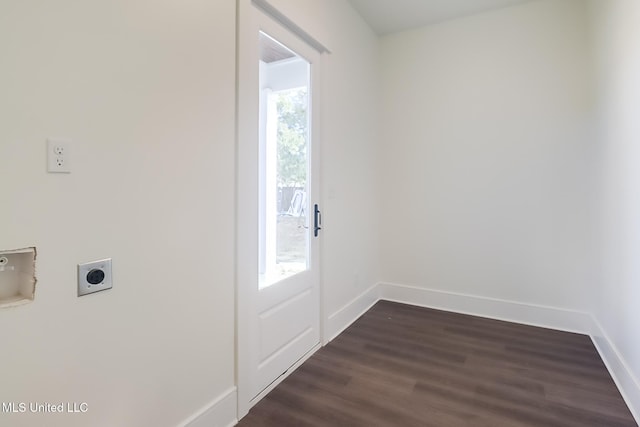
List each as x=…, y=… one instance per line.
x=278, y=192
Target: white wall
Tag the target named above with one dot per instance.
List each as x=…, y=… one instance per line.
x=486, y=179
x=349, y=146
x=146, y=92
x=617, y=54
x=349, y=160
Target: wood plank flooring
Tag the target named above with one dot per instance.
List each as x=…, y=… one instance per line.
x=400, y=365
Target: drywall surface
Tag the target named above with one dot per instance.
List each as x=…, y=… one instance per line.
x=486, y=165
x=145, y=92
x=349, y=136
x=617, y=53
x=349, y=160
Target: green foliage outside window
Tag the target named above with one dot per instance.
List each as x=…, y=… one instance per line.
x=292, y=138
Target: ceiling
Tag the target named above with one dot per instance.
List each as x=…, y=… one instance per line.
x=390, y=16
x=273, y=51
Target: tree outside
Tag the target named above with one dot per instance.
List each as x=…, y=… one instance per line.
x=292, y=106
x=292, y=138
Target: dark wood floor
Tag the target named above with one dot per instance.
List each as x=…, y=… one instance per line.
x=400, y=365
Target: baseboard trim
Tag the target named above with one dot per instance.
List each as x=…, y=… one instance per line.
x=221, y=412
x=349, y=313
x=624, y=378
x=510, y=311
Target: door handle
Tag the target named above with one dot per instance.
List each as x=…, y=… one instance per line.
x=317, y=220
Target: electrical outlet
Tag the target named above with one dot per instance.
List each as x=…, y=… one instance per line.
x=58, y=156
x=94, y=277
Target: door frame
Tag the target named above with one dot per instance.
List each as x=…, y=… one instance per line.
x=247, y=176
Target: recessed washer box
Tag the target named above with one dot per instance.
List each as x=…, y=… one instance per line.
x=17, y=276
x=94, y=276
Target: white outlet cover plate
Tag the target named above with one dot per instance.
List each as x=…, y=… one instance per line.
x=84, y=287
x=58, y=156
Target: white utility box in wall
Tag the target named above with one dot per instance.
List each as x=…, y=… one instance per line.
x=17, y=276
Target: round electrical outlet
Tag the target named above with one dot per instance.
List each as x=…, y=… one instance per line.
x=95, y=276
x=4, y=260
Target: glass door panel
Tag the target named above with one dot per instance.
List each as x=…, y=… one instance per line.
x=284, y=162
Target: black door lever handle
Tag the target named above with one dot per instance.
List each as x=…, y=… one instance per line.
x=317, y=220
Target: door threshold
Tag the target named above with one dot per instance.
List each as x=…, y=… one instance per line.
x=284, y=375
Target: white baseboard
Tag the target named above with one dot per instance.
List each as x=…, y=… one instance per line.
x=627, y=383
x=510, y=311
x=221, y=412
x=349, y=313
